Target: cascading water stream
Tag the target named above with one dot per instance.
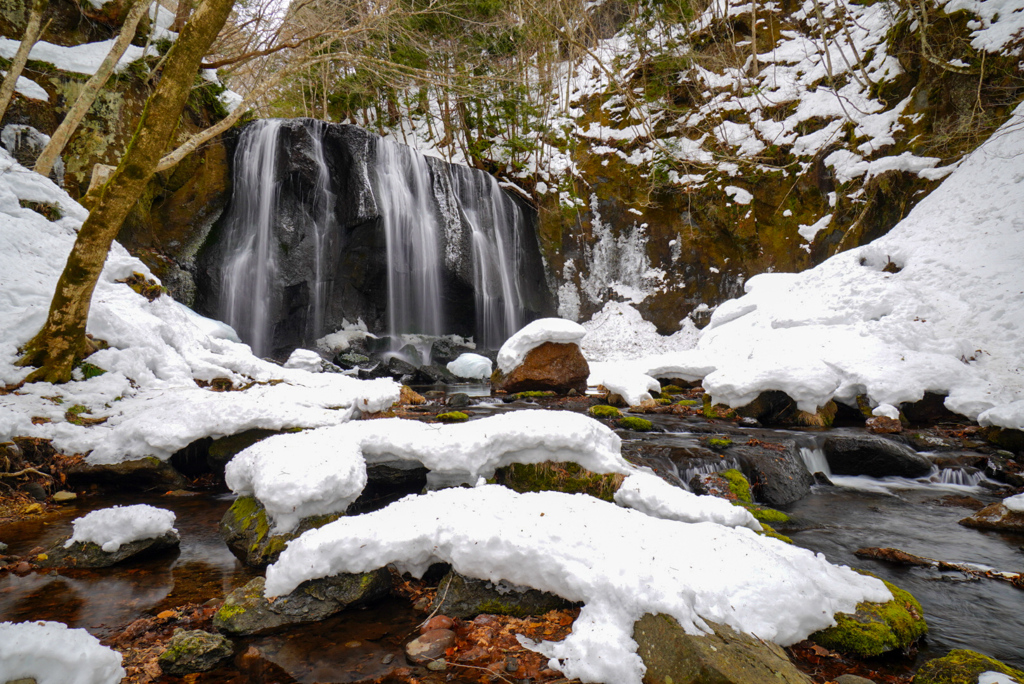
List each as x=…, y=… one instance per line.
x=496, y=222
x=323, y=231
x=250, y=268
x=403, y=192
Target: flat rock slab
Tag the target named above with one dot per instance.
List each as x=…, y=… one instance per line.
x=726, y=657
x=459, y=596
x=90, y=555
x=873, y=456
x=247, y=611
x=996, y=517
x=194, y=651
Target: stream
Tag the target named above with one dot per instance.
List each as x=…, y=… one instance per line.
x=911, y=515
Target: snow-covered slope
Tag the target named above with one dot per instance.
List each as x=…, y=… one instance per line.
x=149, y=396
x=936, y=305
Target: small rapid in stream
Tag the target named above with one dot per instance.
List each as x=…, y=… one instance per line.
x=917, y=516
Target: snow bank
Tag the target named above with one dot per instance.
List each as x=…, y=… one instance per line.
x=646, y=492
x=51, y=653
x=936, y=305
x=305, y=359
x=472, y=366
x=158, y=353
x=111, y=527
x=620, y=563
x=619, y=333
x=78, y=59
x=535, y=334
x=298, y=475
x=1015, y=503
x=624, y=379
x=28, y=88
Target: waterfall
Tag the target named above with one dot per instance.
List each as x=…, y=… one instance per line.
x=250, y=266
x=965, y=477
x=404, y=194
x=323, y=232
x=814, y=459
x=497, y=223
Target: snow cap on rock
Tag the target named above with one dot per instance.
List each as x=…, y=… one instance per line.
x=471, y=366
x=305, y=359
x=51, y=653
x=533, y=335
x=109, y=528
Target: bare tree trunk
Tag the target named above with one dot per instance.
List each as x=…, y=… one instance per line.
x=91, y=90
x=62, y=342
x=32, y=33
x=182, y=14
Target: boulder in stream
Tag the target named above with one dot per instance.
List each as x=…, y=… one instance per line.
x=142, y=473
x=553, y=366
x=246, y=530
x=874, y=456
x=247, y=611
x=963, y=667
x=996, y=517
x=776, y=472
x=191, y=651
x=459, y=596
x=90, y=555
x=876, y=628
x=725, y=657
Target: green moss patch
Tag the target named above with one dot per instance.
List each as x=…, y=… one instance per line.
x=604, y=411
x=719, y=442
x=534, y=394
x=672, y=389
x=876, y=628
x=962, y=667
x=763, y=514
x=687, y=402
x=567, y=477
x=452, y=417
x=769, y=531
x=635, y=423
x=738, y=484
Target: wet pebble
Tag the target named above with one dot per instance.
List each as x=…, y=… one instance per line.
x=64, y=496
x=22, y=568
x=388, y=659
x=429, y=646
x=437, y=622
x=438, y=665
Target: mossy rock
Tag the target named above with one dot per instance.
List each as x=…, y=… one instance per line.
x=604, y=411
x=567, y=477
x=452, y=417
x=963, y=667
x=719, y=443
x=459, y=596
x=636, y=424
x=876, y=628
x=738, y=484
x=769, y=531
x=688, y=402
x=763, y=514
x=222, y=450
x=90, y=555
x=191, y=651
x=672, y=389
x=246, y=530
x=535, y=394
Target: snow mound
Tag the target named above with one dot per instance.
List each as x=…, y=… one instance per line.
x=1015, y=503
x=472, y=366
x=535, y=334
x=161, y=357
x=624, y=379
x=936, y=305
x=646, y=492
x=620, y=563
x=298, y=475
x=618, y=332
x=305, y=359
x=109, y=528
x=51, y=653
x=78, y=59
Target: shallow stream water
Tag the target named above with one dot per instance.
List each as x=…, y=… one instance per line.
x=983, y=615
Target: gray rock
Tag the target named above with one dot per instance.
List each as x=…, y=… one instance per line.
x=462, y=597
x=3, y=547
x=35, y=490
x=90, y=555
x=429, y=646
x=874, y=456
x=351, y=360
x=436, y=375
x=221, y=451
x=247, y=611
x=726, y=657
x=143, y=473
x=777, y=478
x=194, y=651
x=245, y=528
x=459, y=400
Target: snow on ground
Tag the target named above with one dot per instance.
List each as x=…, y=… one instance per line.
x=78, y=59
x=149, y=395
x=471, y=366
x=936, y=305
x=535, y=334
x=109, y=528
x=28, y=88
x=50, y=653
x=646, y=492
x=305, y=359
x=618, y=333
x=619, y=562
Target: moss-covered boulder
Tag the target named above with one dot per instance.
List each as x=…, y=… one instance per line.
x=90, y=555
x=604, y=411
x=567, y=477
x=876, y=628
x=142, y=473
x=963, y=667
x=635, y=423
x=725, y=657
x=191, y=651
x=996, y=517
x=247, y=611
x=776, y=473
x=464, y=597
x=246, y=530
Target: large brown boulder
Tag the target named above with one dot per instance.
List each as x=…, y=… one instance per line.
x=996, y=517
x=553, y=366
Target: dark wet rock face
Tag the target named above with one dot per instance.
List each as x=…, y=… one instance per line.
x=725, y=657
x=247, y=611
x=246, y=530
x=90, y=555
x=874, y=456
x=463, y=597
x=550, y=367
x=143, y=473
x=194, y=651
x=777, y=474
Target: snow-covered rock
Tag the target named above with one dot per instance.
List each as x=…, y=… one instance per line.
x=305, y=359
x=471, y=366
x=533, y=335
x=51, y=653
x=620, y=563
x=109, y=528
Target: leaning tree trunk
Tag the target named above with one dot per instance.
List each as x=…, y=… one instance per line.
x=90, y=91
x=61, y=343
x=32, y=33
